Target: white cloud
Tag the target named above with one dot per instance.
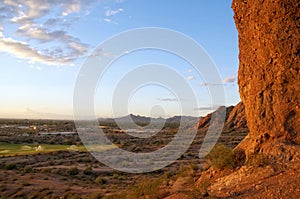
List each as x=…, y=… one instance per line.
x=111, y=12
x=107, y=20
x=33, y=10
x=35, y=23
x=72, y=8
x=35, y=67
x=23, y=50
x=102, y=53
x=229, y=79
x=127, y=52
x=209, y=84
x=190, y=70
x=206, y=108
x=167, y=99
x=41, y=34
x=190, y=78
x=1, y=31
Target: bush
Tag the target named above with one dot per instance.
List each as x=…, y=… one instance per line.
x=100, y=180
x=148, y=188
x=27, y=170
x=10, y=166
x=73, y=171
x=222, y=157
x=88, y=171
x=169, y=174
x=257, y=160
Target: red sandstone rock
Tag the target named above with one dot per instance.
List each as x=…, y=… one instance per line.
x=269, y=76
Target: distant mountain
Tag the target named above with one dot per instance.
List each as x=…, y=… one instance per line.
x=235, y=119
x=144, y=119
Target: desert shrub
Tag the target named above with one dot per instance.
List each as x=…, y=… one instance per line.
x=169, y=174
x=46, y=170
x=118, y=176
x=257, y=160
x=186, y=171
x=27, y=170
x=73, y=171
x=71, y=195
x=148, y=188
x=221, y=157
x=193, y=166
x=100, y=180
x=10, y=166
x=239, y=156
x=88, y=170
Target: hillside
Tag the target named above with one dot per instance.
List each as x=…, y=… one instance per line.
x=235, y=119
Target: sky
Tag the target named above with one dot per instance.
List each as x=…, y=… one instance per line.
x=44, y=43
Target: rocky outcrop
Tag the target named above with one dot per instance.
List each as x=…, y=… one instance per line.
x=269, y=84
x=235, y=119
x=269, y=76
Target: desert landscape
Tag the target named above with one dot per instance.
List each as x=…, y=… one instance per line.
x=256, y=156
x=36, y=162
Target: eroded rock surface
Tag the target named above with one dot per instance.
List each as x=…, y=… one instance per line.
x=269, y=76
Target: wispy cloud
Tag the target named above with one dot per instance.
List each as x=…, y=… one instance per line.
x=42, y=22
x=99, y=52
x=35, y=67
x=107, y=20
x=206, y=108
x=230, y=79
x=23, y=50
x=111, y=12
x=190, y=78
x=209, y=84
x=72, y=8
x=167, y=99
x=1, y=31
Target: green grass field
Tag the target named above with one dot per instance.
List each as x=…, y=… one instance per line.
x=7, y=149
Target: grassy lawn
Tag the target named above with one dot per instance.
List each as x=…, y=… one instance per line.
x=7, y=149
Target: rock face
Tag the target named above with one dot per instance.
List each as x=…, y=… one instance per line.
x=235, y=119
x=269, y=76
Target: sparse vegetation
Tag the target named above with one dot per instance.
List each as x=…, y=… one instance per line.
x=222, y=157
x=100, y=180
x=21, y=166
x=88, y=170
x=148, y=188
x=73, y=171
x=10, y=166
x=257, y=160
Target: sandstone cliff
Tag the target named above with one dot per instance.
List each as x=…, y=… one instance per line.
x=269, y=76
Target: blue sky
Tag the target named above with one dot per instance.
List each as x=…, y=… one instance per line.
x=43, y=44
